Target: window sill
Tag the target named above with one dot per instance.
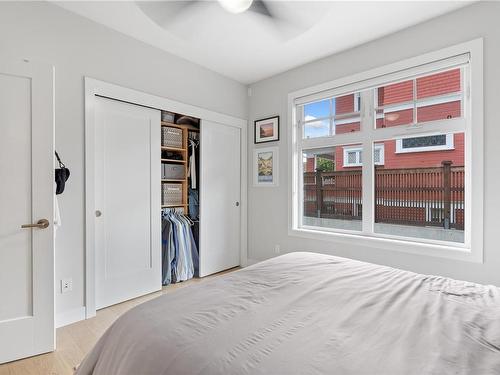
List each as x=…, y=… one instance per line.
x=424, y=149
x=383, y=242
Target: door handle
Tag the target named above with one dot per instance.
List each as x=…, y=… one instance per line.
x=41, y=224
x=98, y=213
x=237, y=204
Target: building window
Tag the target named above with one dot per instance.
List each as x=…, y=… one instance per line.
x=353, y=156
x=425, y=143
x=424, y=104
x=357, y=102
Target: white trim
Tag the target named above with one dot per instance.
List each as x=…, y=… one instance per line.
x=447, y=58
x=359, y=150
x=391, y=243
x=446, y=147
x=70, y=316
x=251, y=262
x=95, y=87
x=356, y=98
x=346, y=150
x=349, y=120
x=441, y=99
x=472, y=108
x=426, y=102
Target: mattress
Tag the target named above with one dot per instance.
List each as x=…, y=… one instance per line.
x=305, y=313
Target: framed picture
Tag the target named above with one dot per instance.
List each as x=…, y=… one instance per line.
x=266, y=166
x=267, y=130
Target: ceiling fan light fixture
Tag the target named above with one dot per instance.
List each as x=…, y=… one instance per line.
x=235, y=6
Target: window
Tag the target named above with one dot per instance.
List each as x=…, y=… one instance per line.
x=328, y=117
x=414, y=190
x=353, y=158
x=419, y=100
x=331, y=195
x=425, y=143
x=422, y=195
x=357, y=102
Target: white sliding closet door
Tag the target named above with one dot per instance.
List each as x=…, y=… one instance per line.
x=220, y=197
x=127, y=201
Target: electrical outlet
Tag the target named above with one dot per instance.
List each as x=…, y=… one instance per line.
x=66, y=285
x=277, y=249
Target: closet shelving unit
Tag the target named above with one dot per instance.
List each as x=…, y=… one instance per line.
x=184, y=153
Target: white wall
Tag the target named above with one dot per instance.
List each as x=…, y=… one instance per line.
x=268, y=207
x=78, y=47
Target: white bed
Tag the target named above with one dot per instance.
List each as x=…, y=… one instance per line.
x=305, y=313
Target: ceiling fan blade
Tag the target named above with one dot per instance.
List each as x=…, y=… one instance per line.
x=163, y=13
x=286, y=25
x=259, y=6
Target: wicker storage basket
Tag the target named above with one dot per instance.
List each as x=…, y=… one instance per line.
x=171, y=137
x=171, y=194
x=173, y=171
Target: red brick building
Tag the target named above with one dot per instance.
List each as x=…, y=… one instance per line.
x=429, y=98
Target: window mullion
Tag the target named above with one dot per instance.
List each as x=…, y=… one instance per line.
x=367, y=131
x=415, y=112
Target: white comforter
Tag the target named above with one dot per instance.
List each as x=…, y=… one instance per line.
x=305, y=313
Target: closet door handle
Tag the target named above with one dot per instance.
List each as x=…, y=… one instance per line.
x=98, y=213
x=41, y=224
x=237, y=204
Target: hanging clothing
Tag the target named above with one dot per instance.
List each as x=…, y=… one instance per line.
x=192, y=164
x=168, y=251
x=194, y=160
x=179, y=251
x=194, y=203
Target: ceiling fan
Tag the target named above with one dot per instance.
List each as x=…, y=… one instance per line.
x=240, y=6
x=165, y=13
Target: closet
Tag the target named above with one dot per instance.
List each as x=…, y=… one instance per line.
x=201, y=185
x=163, y=193
x=180, y=183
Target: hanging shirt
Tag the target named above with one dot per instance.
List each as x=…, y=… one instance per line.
x=168, y=251
x=192, y=165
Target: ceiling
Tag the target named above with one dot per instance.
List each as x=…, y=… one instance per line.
x=249, y=47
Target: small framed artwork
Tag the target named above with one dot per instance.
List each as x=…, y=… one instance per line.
x=267, y=130
x=266, y=166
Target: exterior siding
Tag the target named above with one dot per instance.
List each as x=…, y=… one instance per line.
x=393, y=160
x=344, y=104
x=347, y=128
x=438, y=84
x=447, y=82
x=424, y=159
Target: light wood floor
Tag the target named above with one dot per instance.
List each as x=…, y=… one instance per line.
x=75, y=340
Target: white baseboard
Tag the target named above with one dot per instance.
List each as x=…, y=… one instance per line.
x=252, y=261
x=70, y=316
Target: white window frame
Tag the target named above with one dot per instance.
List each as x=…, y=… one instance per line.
x=346, y=150
x=446, y=147
x=357, y=97
x=471, y=123
x=359, y=151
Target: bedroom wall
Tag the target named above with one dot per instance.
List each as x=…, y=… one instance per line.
x=78, y=47
x=268, y=207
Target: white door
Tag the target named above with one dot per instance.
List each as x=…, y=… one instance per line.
x=220, y=197
x=127, y=201
x=26, y=197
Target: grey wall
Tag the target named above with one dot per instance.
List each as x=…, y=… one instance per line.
x=268, y=207
x=78, y=47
